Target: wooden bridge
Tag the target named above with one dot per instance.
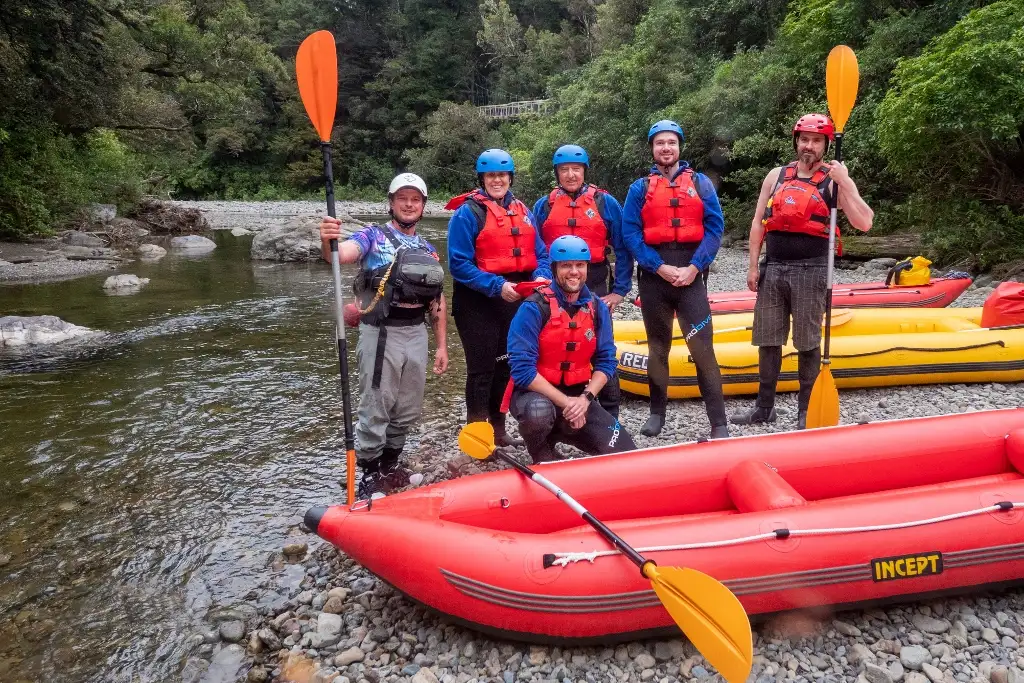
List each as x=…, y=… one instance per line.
x=515, y=110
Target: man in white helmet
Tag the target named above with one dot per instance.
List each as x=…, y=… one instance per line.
x=398, y=288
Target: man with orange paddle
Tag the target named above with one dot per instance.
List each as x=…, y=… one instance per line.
x=795, y=222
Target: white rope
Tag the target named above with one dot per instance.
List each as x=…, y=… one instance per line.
x=564, y=559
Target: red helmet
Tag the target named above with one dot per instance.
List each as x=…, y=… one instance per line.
x=815, y=123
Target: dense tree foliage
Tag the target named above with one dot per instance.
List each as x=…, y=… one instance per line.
x=108, y=99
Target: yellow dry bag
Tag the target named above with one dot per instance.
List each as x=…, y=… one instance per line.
x=910, y=271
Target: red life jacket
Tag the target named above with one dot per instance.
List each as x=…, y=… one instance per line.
x=672, y=212
x=579, y=217
x=506, y=242
x=801, y=204
x=566, y=346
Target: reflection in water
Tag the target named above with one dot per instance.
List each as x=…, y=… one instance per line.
x=147, y=478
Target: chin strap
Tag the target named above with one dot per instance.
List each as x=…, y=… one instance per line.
x=402, y=224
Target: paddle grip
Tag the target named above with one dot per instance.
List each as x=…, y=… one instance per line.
x=833, y=219
x=329, y=178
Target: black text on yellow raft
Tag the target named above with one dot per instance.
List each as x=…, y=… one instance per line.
x=906, y=566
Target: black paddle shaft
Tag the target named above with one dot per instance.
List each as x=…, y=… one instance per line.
x=346, y=394
x=828, y=294
x=609, y=535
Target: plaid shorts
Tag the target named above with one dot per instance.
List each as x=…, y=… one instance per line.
x=787, y=289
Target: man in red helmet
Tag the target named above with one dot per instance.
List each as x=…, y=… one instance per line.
x=792, y=221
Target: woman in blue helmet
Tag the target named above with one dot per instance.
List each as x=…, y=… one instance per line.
x=562, y=353
x=672, y=224
x=493, y=243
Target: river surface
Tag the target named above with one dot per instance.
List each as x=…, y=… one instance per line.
x=149, y=481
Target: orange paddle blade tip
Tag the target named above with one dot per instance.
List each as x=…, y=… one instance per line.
x=316, y=70
x=477, y=440
x=841, y=81
x=823, y=407
x=710, y=616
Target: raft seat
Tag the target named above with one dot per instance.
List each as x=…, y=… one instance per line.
x=755, y=486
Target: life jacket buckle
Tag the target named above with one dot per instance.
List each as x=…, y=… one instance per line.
x=676, y=222
x=565, y=366
x=515, y=232
x=571, y=346
x=674, y=202
x=517, y=252
x=573, y=324
x=572, y=222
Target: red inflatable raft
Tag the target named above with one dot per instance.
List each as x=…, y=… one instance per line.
x=936, y=294
x=839, y=516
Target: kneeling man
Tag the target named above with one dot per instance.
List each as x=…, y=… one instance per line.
x=561, y=351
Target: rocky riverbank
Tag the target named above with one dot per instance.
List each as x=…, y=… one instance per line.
x=324, y=619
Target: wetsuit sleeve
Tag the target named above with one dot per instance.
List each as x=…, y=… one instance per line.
x=463, y=228
x=605, y=358
x=714, y=224
x=543, y=269
x=611, y=213
x=541, y=210
x=523, y=341
x=633, y=231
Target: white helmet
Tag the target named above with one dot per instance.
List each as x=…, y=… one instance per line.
x=407, y=180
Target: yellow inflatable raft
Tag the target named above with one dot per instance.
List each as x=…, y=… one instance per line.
x=870, y=348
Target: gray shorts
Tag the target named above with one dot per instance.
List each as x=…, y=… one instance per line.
x=790, y=289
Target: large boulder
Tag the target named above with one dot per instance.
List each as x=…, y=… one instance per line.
x=124, y=284
x=297, y=240
x=83, y=239
x=192, y=243
x=16, y=331
x=150, y=252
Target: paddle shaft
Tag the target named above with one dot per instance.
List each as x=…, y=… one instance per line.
x=635, y=557
x=833, y=217
x=339, y=332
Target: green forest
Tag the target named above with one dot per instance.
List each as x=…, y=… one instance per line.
x=110, y=100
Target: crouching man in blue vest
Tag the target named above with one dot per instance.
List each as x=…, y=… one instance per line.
x=561, y=352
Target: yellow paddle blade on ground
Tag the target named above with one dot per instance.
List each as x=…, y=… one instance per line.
x=477, y=440
x=841, y=80
x=316, y=70
x=710, y=616
x=823, y=408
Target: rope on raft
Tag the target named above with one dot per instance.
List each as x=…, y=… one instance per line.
x=564, y=559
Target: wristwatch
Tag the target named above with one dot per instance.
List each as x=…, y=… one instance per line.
x=589, y=395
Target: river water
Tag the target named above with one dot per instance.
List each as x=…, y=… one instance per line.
x=151, y=480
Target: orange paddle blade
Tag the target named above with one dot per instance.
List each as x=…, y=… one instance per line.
x=477, y=440
x=316, y=69
x=841, y=81
x=710, y=615
x=823, y=408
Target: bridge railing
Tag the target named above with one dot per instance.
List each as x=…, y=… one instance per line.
x=514, y=110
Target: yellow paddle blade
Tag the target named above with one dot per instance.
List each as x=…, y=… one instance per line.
x=477, y=440
x=823, y=408
x=316, y=70
x=841, y=80
x=710, y=615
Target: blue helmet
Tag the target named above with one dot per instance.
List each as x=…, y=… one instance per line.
x=495, y=160
x=665, y=125
x=570, y=154
x=569, y=248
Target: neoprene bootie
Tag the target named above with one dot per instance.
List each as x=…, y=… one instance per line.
x=653, y=425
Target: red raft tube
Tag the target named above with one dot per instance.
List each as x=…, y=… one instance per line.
x=938, y=293
x=841, y=516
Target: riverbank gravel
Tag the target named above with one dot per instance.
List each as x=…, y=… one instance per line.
x=327, y=620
